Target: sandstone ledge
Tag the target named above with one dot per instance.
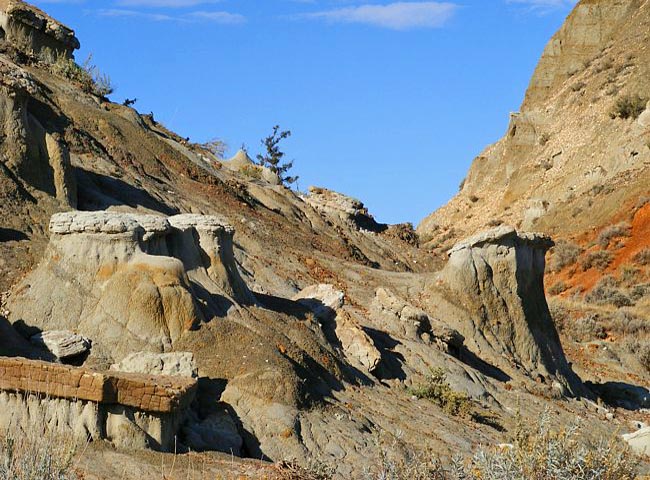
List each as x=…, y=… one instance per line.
x=155, y=394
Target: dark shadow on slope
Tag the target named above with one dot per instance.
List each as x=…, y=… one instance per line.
x=471, y=359
x=390, y=367
x=621, y=394
x=12, y=235
x=98, y=192
x=283, y=305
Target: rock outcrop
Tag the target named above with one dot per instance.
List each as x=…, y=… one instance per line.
x=129, y=410
x=339, y=326
x=32, y=150
x=341, y=207
x=498, y=278
x=176, y=364
x=34, y=32
x=61, y=343
x=130, y=282
x=402, y=319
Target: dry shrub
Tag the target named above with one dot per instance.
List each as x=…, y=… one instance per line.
x=564, y=254
x=606, y=292
x=626, y=323
x=586, y=328
x=557, y=288
x=629, y=106
x=545, y=454
x=643, y=354
x=608, y=234
x=642, y=257
x=640, y=291
x=599, y=259
x=30, y=451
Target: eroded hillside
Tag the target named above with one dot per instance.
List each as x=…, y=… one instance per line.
x=304, y=330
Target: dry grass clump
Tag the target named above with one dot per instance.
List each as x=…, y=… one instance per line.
x=30, y=451
x=586, y=328
x=599, y=259
x=252, y=171
x=537, y=453
x=629, y=106
x=564, y=254
x=88, y=76
x=557, y=288
x=642, y=257
x=623, y=229
x=606, y=292
x=440, y=392
x=546, y=454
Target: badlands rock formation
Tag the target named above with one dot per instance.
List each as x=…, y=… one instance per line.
x=130, y=282
x=34, y=32
x=314, y=366
x=131, y=411
x=498, y=277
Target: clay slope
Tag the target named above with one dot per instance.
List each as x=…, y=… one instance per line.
x=568, y=162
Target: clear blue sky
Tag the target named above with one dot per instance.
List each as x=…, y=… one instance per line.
x=388, y=101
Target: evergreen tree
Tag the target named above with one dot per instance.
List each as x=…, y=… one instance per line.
x=272, y=158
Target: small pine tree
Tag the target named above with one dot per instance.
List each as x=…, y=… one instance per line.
x=273, y=156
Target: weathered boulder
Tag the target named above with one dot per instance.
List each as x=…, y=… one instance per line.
x=61, y=343
x=34, y=32
x=356, y=344
x=326, y=301
x=498, y=278
x=322, y=299
x=402, y=319
x=342, y=207
x=639, y=441
x=176, y=364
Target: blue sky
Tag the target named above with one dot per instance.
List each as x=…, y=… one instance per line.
x=387, y=101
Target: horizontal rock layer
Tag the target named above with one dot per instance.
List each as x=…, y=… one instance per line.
x=147, y=393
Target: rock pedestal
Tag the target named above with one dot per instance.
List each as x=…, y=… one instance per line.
x=498, y=277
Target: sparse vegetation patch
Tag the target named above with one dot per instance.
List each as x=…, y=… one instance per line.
x=629, y=106
x=440, y=392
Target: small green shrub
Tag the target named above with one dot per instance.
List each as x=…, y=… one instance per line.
x=629, y=106
x=564, y=254
x=599, y=259
x=440, y=392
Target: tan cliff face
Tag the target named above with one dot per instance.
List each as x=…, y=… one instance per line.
x=564, y=165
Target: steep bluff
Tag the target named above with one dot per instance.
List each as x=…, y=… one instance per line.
x=565, y=164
